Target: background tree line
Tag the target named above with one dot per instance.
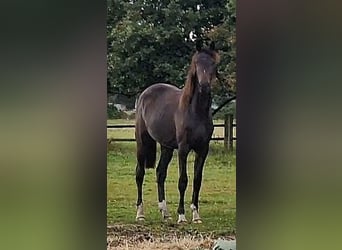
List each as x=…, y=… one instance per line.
x=152, y=41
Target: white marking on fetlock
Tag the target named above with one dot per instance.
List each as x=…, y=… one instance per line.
x=140, y=213
x=195, y=214
x=181, y=218
x=163, y=209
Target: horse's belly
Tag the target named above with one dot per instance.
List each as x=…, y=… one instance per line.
x=163, y=134
x=169, y=142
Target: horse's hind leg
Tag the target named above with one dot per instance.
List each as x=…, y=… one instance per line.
x=161, y=172
x=146, y=156
x=139, y=178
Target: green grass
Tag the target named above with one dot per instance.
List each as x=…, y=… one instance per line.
x=120, y=121
x=217, y=197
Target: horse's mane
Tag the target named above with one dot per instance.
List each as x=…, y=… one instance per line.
x=190, y=82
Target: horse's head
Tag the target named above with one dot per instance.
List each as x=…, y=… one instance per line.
x=202, y=73
x=205, y=67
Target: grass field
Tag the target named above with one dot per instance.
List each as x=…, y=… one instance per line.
x=217, y=198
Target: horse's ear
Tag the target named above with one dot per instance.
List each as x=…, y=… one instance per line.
x=212, y=45
x=198, y=45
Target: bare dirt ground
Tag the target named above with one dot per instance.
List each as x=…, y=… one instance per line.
x=141, y=237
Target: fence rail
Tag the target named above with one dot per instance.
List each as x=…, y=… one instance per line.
x=228, y=137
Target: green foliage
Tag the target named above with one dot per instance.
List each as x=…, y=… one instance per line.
x=224, y=36
x=230, y=109
x=148, y=41
x=114, y=113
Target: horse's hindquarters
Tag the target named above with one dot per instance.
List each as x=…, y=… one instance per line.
x=157, y=107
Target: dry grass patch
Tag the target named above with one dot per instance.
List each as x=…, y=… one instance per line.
x=123, y=237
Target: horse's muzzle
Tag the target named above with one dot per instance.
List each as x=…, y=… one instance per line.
x=204, y=87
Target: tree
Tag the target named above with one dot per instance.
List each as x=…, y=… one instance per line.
x=224, y=36
x=149, y=42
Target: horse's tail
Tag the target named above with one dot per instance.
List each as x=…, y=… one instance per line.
x=146, y=149
x=146, y=145
x=150, y=151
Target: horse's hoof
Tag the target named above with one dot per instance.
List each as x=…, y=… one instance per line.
x=182, y=219
x=167, y=220
x=197, y=221
x=167, y=217
x=140, y=219
x=163, y=210
x=140, y=213
x=183, y=222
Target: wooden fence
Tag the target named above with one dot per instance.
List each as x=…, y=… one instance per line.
x=228, y=136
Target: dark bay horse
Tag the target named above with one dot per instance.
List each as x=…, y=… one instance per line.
x=176, y=119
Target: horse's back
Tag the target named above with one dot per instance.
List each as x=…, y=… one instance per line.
x=156, y=108
x=159, y=90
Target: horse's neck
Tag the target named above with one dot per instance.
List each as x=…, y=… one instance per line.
x=201, y=103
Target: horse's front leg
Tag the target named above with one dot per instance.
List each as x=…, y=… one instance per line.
x=182, y=182
x=198, y=170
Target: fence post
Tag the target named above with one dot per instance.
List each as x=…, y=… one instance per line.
x=228, y=132
x=231, y=131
